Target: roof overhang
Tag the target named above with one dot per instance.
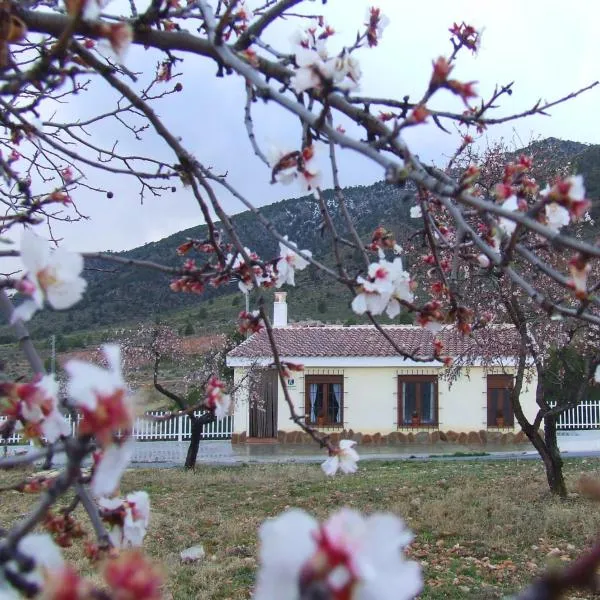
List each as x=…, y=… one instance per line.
x=362, y=361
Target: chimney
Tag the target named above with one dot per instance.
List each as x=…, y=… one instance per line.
x=280, y=310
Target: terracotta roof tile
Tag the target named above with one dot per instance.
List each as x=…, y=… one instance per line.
x=364, y=340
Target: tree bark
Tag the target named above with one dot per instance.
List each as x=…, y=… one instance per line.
x=198, y=424
x=192, y=453
x=554, y=462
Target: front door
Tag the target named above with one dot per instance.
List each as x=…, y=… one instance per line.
x=263, y=406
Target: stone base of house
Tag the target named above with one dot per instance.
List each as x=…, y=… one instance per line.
x=399, y=438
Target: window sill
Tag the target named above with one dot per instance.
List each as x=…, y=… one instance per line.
x=424, y=426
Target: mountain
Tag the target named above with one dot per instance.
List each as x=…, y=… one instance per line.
x=119, y=295
x=124, y=295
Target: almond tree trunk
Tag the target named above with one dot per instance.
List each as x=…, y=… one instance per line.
x=198, y=424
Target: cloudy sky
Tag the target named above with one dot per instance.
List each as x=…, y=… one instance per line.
x=547, y=47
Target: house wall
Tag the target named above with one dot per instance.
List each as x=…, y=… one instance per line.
x=370, y=399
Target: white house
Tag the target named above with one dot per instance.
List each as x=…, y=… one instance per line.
x=354, y=383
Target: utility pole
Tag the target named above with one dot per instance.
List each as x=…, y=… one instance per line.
x=53, y=355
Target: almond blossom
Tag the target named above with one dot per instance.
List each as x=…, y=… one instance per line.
x=312, y=70
x=570, y=194
x=216, y=400
x=402, y=289
x=579, y=268
x=289, y=166
x=46, y=556
x=127, y=519
x=348, y=556
x=416, y=212
x=345, y=458
x=384, y=289
x=102, y=397
x=376, y=22
x=315, y=69
x=289, y=262
x=119, y=37
x=557, y=216
x=109, y=468
x=131, y=576
x=52, y=275
x=248, y=273
x=483, y=260
x=39, y=407
x=511, y=203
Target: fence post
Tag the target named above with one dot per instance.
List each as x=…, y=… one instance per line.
x=180, y=428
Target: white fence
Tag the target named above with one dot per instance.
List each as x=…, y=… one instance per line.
x=154, y=428
x=585, y=415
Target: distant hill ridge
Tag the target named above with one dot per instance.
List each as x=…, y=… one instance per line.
x=126, y=295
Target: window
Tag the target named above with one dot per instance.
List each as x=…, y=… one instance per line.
x=499, y=406
x=417, y=401
x=324, y=402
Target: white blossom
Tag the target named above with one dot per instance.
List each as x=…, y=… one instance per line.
x=46, y=555
x=416, y=212
x=289, y=262
x=109, y=470
x=345, y=71
x=557, y=216
x=87, y=381
x=371, y=298
x=507, y=225
x=577, y=189
x=39, y=405
x=361, y=554
x=484, y=261
x=312, y=69
x=345, y=459
x=215, y=398
x=387, y=284
x=54, y=276
x=130, y=530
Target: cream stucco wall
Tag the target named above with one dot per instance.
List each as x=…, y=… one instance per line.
x=370, y=398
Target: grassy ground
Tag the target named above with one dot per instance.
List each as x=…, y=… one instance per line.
x=483, y=529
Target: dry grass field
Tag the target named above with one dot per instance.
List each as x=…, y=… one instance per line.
x=482, y=529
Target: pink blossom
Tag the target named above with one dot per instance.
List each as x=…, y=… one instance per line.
x=216, y=400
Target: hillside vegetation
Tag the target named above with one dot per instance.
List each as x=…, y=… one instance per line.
x=124, y=296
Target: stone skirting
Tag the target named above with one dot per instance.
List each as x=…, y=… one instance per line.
x=399, y=438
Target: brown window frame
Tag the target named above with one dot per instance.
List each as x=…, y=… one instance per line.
x=499, y=383
x=418, y=379
x=323, y=421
